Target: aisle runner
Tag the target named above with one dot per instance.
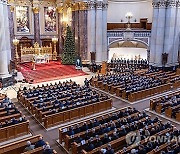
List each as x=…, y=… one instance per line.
x=47, y=72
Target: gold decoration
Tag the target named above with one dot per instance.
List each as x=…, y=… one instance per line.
x=76, y=6
x=60, y=9
x=35, y=10
x=83, y=6
x=12, y=8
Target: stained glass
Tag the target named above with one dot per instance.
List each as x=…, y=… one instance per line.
x=50, y=19
x=22, y=18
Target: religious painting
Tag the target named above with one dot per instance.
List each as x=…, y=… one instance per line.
x=50, y=19
x=22, y=19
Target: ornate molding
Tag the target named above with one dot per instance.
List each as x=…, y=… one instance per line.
x=91, y=5
x=99, y=4
x=165, y=4
x=35, y=9
x=105, y=5
x=83, y=6
x=162, y=4
x=178, y=4
x=155, y=4
x=60, y=9
x=171, y=3
x=23, y=3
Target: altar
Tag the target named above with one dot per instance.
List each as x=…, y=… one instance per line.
x=37, y=54
x=40, y=59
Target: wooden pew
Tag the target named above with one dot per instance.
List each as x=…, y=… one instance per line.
x=14, y=131
x=37, y=151
x=68, y=140
x=76, y=113
x=76, y=148
x=17, y=147
x=63, y=130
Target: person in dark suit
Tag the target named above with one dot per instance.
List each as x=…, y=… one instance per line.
x=98, y=142
x=90, y=145
x=40, y=143
x=109, y=149
x=48, y=150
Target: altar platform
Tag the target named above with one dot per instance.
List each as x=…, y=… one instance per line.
x=48, y=71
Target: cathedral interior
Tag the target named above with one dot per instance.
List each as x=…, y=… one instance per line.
x=89, y=76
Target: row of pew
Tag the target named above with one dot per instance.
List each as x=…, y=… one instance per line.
x=168, y=105
x=119, y=89
x=49, y=117
x=10, y=131
x=74, y=137
x=18, y=147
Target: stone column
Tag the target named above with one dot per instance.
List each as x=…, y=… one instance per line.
x=91, y=22
x=4, y=40
x=83, y=29
x=77, y=37
x=60, y=27
x=176, y=35
x=99, y=31
x=170, y=31
x=104, y=33
x=36, y=22
x=154, y=32
x=160, y=33
x=11, y=28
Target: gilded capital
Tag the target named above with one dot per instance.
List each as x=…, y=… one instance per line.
x=83, y=5
x=12, y=8
x=60, y=9
x=35, y=9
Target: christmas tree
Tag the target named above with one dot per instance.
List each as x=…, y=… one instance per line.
x=69, y=54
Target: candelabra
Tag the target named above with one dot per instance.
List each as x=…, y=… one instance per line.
x=129, y=15
x=54, y=40
x=16, y=56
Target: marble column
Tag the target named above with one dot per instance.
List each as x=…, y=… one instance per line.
x=73, y=22
x=176, y=36
x=77, y=37
x=4, y=40
x=91, y=22
x=60, y=33
x=154, y=32
x=170, y=31
x=99, y=31
x=11, y=28
x=36, y=25
x=104, y=33
x=159, y=49
x=60, y=10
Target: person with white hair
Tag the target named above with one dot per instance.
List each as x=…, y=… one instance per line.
x=47, y=149
x=103, y=151
x=40, y=143
x=29, y=147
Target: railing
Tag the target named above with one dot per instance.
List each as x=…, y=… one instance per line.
x=137, y=33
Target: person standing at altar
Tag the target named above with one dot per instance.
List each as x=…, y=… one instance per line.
x=78, y=63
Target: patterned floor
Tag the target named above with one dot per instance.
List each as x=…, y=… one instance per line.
x=49, y=71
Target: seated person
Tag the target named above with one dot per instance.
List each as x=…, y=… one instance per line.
x=47, y=150
x=29, y=147
x=40, y=143
x=109, y=149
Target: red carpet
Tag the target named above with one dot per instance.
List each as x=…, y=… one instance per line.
x=47, y=72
